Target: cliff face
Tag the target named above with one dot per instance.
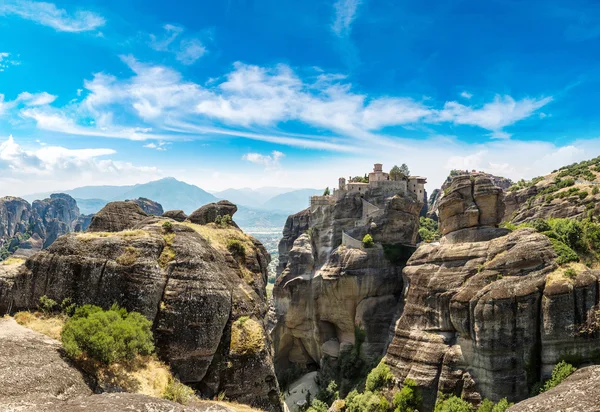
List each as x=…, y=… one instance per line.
x=44, y=219
x=487, y=312
x=207, y=305
x=324, y=288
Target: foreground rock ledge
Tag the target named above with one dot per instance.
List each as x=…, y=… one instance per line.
x=35, y=377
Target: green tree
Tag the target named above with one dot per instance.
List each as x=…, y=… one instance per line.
x=395, y=173
x=452, y=404
x=379, y=377
x=408, y=398
x=367, y=241
x=404, y=170
x=107, y=335
x=326, y=192
x=561, y=371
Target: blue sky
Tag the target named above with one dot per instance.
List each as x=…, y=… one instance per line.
x=249, y=93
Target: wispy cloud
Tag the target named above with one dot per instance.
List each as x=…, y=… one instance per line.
x=49, y=15
x=345, y=12
x=160, y=146
x=256, y=102
x=271, y=161
x=36, y=99
x=466, y=95
x=6, y=61
x=187, y=49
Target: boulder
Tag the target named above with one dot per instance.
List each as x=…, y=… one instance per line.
x=149, y=206
x=208, y=213
x=579, y=392
x=177, y=215
x=189, y=286
x=15, y=214
x=116, y=217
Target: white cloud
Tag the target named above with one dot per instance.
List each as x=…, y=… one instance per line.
x=48, y=14
x=5, y=61
x=160, y=146
x=187, y=50
x=501, y=112
x=190, y=50
x=466, y=95
x=49, y=167
x=270, y=162
x=36, y=99
x=253, y=102
x=344, y=15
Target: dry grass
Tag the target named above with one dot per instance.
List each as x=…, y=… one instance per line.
x=237, y=406
x=247, y=337
x=129, y=256
x=12, y=260
x=125, y=234
x=49, y=325
x=561, y=274
x=167, y=255
x=219, y=236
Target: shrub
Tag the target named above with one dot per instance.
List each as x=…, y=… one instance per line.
x=366, y=402
x=317, y=406
x=47, y=305
x=502, y=405
x=452, y=404
x=379, y=378
x=224, y=220
x=595, y=190
x=408, y=398
x=367, y=241
x=564, y=253
x=129, y=256
x=560, y=372
x=329, y=394
x=68, y=307
x=167, y=227
x=107, y=336
x=236, y=248
x=570, y=273
x=326, y=192
x=247, y=337
x=178, y=392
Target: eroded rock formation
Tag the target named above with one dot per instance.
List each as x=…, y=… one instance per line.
x=208, y=213
x=149, y=206
x=178, y=215
x=324, y=288
x=185, y=280
x=487, y=313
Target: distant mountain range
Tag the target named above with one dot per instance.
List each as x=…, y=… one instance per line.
x=263, y=207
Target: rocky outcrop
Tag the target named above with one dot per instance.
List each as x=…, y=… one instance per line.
x=579, y=392
x=35, y=377
x=325, y=289
x=116, y=217
x=30, y=246
x=46, y=219
x=15, y=215
x=185, y=281
x=177, y=215
x=295, y=225
x=150, y=207
x=208, y=213
x=487, y=313
x=438, y=194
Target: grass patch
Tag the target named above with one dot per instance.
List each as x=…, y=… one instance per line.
x=178, y=392
x=49, y=325
x=168, y=254
x=125, y=234
x=129, y=256
x=247, y=337
x=565, y=273
x=219, y=236
x=12, y=261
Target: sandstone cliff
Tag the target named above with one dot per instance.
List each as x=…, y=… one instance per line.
x=207, y=304
x=325, y=288
x=487, y=312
